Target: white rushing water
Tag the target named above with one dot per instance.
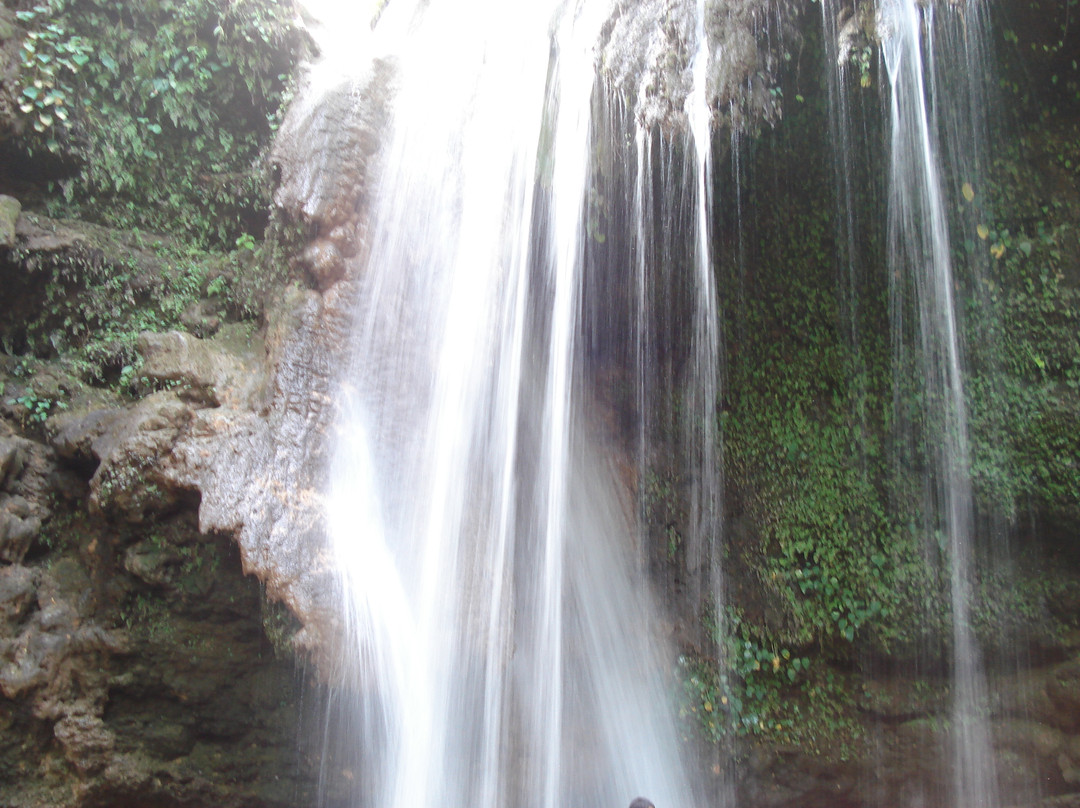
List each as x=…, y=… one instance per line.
x=703, y=380
x=502, y=636
x=919, y=245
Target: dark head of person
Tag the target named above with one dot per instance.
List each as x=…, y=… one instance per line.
x=641, y=802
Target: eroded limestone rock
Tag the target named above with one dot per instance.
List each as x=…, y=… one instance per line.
x=325, y=155
x=647, y=58
x=27, y=476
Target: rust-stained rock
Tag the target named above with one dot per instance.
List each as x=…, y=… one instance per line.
x=327, y=188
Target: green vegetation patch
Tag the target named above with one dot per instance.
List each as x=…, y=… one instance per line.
x=160, y=109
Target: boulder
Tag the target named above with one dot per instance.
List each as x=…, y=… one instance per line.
x=197, y=369
x=12, y=458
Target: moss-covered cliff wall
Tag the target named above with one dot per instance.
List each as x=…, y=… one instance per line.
x=837, y=628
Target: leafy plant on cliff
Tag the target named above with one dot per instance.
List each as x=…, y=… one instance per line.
x=164, y=108
x=1024, y=336
x=762, y=689
x=807, y=454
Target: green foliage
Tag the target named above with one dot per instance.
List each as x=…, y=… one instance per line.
x=747, y=693
x=37, y=409
x=826, y=427
x=1023, y=319
x=99, y=295
x=805, y=446
x=148, y=614
x=759, y=688
x=828, y=434
x=50, y=61
x=165, y=106
x=1039, y=69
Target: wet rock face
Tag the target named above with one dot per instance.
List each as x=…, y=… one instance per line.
x=325, y=154
x=134, y=663
x=647, y=58
x=903, y=750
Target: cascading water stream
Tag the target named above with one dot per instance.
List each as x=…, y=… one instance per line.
x=703, y=380
x=501, y=630
x=919, y=245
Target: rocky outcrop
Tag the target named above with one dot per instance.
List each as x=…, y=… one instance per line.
x=134, y=662
x=647, y=58
x=233, y=423
x=325, y=155
x=219, y=434
x=135, y=659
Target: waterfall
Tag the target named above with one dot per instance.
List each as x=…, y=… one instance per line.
x=503, y=642
x=919, y=254
x=528, y=234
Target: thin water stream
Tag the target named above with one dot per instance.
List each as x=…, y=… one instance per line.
x=919, y=250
